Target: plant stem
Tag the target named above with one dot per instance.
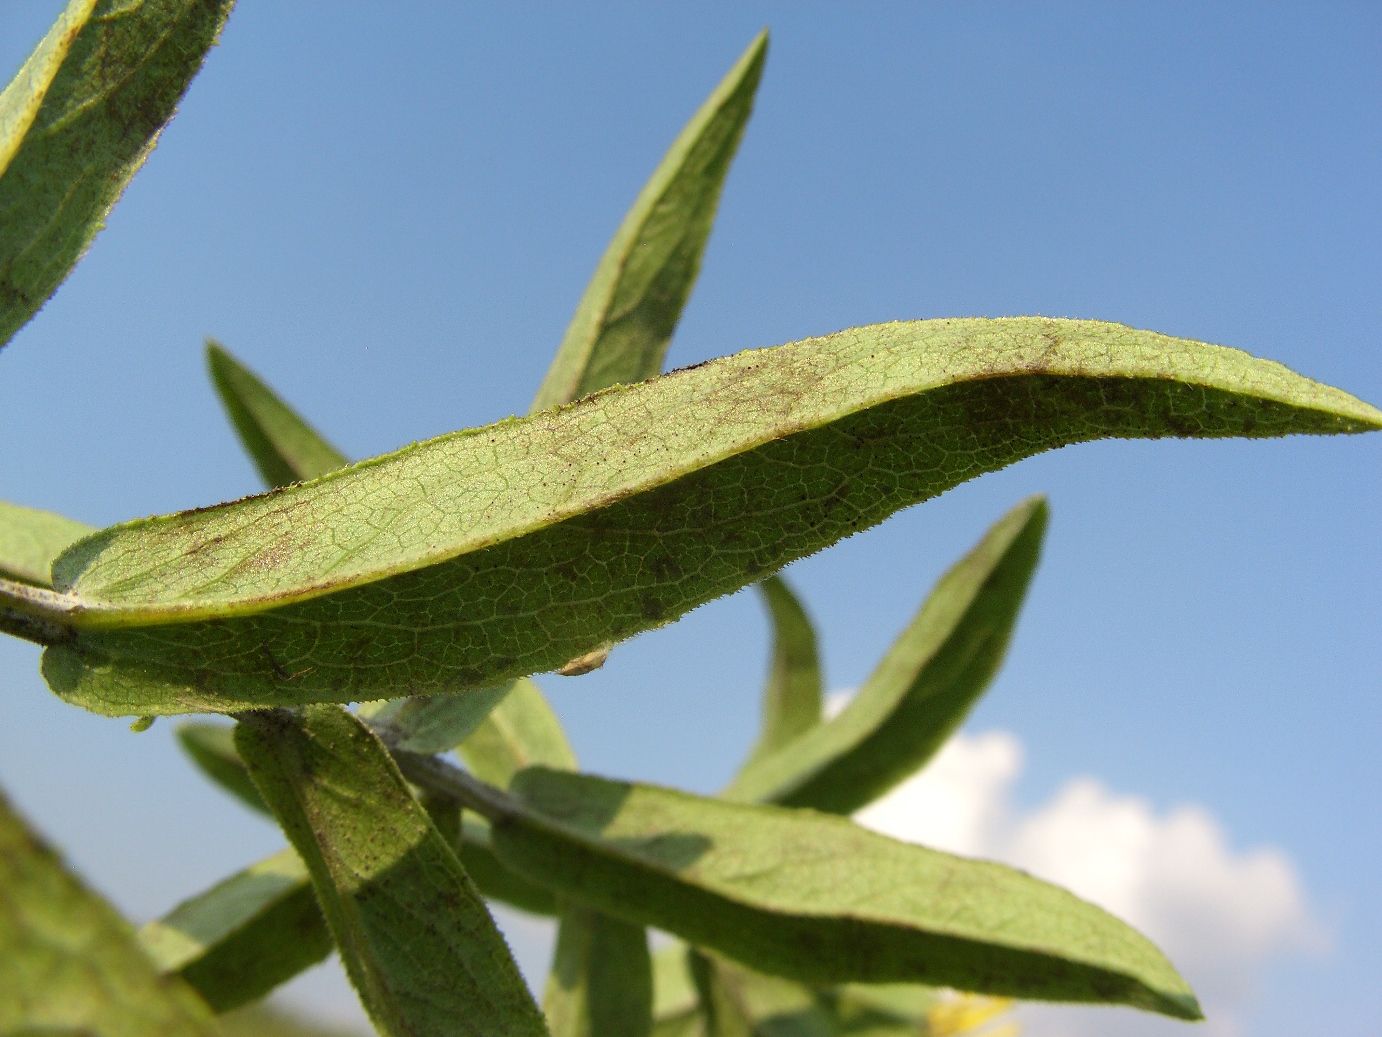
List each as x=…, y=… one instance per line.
x=449, y=782
x=36, y=614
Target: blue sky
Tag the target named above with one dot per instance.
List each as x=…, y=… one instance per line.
x=391, y=215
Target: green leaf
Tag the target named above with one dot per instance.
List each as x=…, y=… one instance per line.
x=76, y=123
x=522, y=731
x=244, y=936
x=818, y=899
x=496, y=880
x=31, y=540
x=212, y=749
x=414, y=935
x=792, y=696
x=287, y=449
x=436, y=723
x=69, y=961
x=601, y=984
x=433, y=567
x=283, y=446
x=625, y=320
x=738, y=1002
x=923, y=688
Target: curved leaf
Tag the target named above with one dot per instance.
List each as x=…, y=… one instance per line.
x=76, y=123
x=414, y=935
x=69, y=962
x=625, y=320
x=792, y=696
x=432, y=567
x=244, y=936
x=282, y=445
x=816, y=898
x=923, y=688
x=31, y=540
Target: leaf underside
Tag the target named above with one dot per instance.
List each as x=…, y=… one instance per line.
x=818, y=899
x=509, y=549
x=77, y=122
x=415, y=937
x=922, y=689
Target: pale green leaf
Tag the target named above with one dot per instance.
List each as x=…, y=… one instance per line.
x=282, y=445
x=792, y=695
x=522, y=731
x=69, y=962
x=674, y=988
x=76, y=123
x=506, y=550
x=818, y=899
x=31, y=540
x=601, y=984
x=625, y=320
x=921, y=691
x=244, y=936
x=433, y=723
x=415, y=937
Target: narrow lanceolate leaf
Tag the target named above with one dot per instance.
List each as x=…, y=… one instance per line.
x=282, y=445
x=31, y=540
x=792, y=696
x=432, y=568
x=923, y=688
x=68, y=962
x=522, y=731
x=818, y=899
x=433, y=724
x=287, y=449
x=212, y=748
x=625, y=320
x=415, y=937
x=243, y=937
x=601, y=984
x=77, y=122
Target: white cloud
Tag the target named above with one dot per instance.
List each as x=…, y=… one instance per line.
x=1220, y=913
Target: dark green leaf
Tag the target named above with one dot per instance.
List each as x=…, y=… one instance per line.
x=68, y=962
x=816, y=898
x=431, y=568
x=414, y=935
x=923, y=688
x=76, y=123
x=242, y=937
